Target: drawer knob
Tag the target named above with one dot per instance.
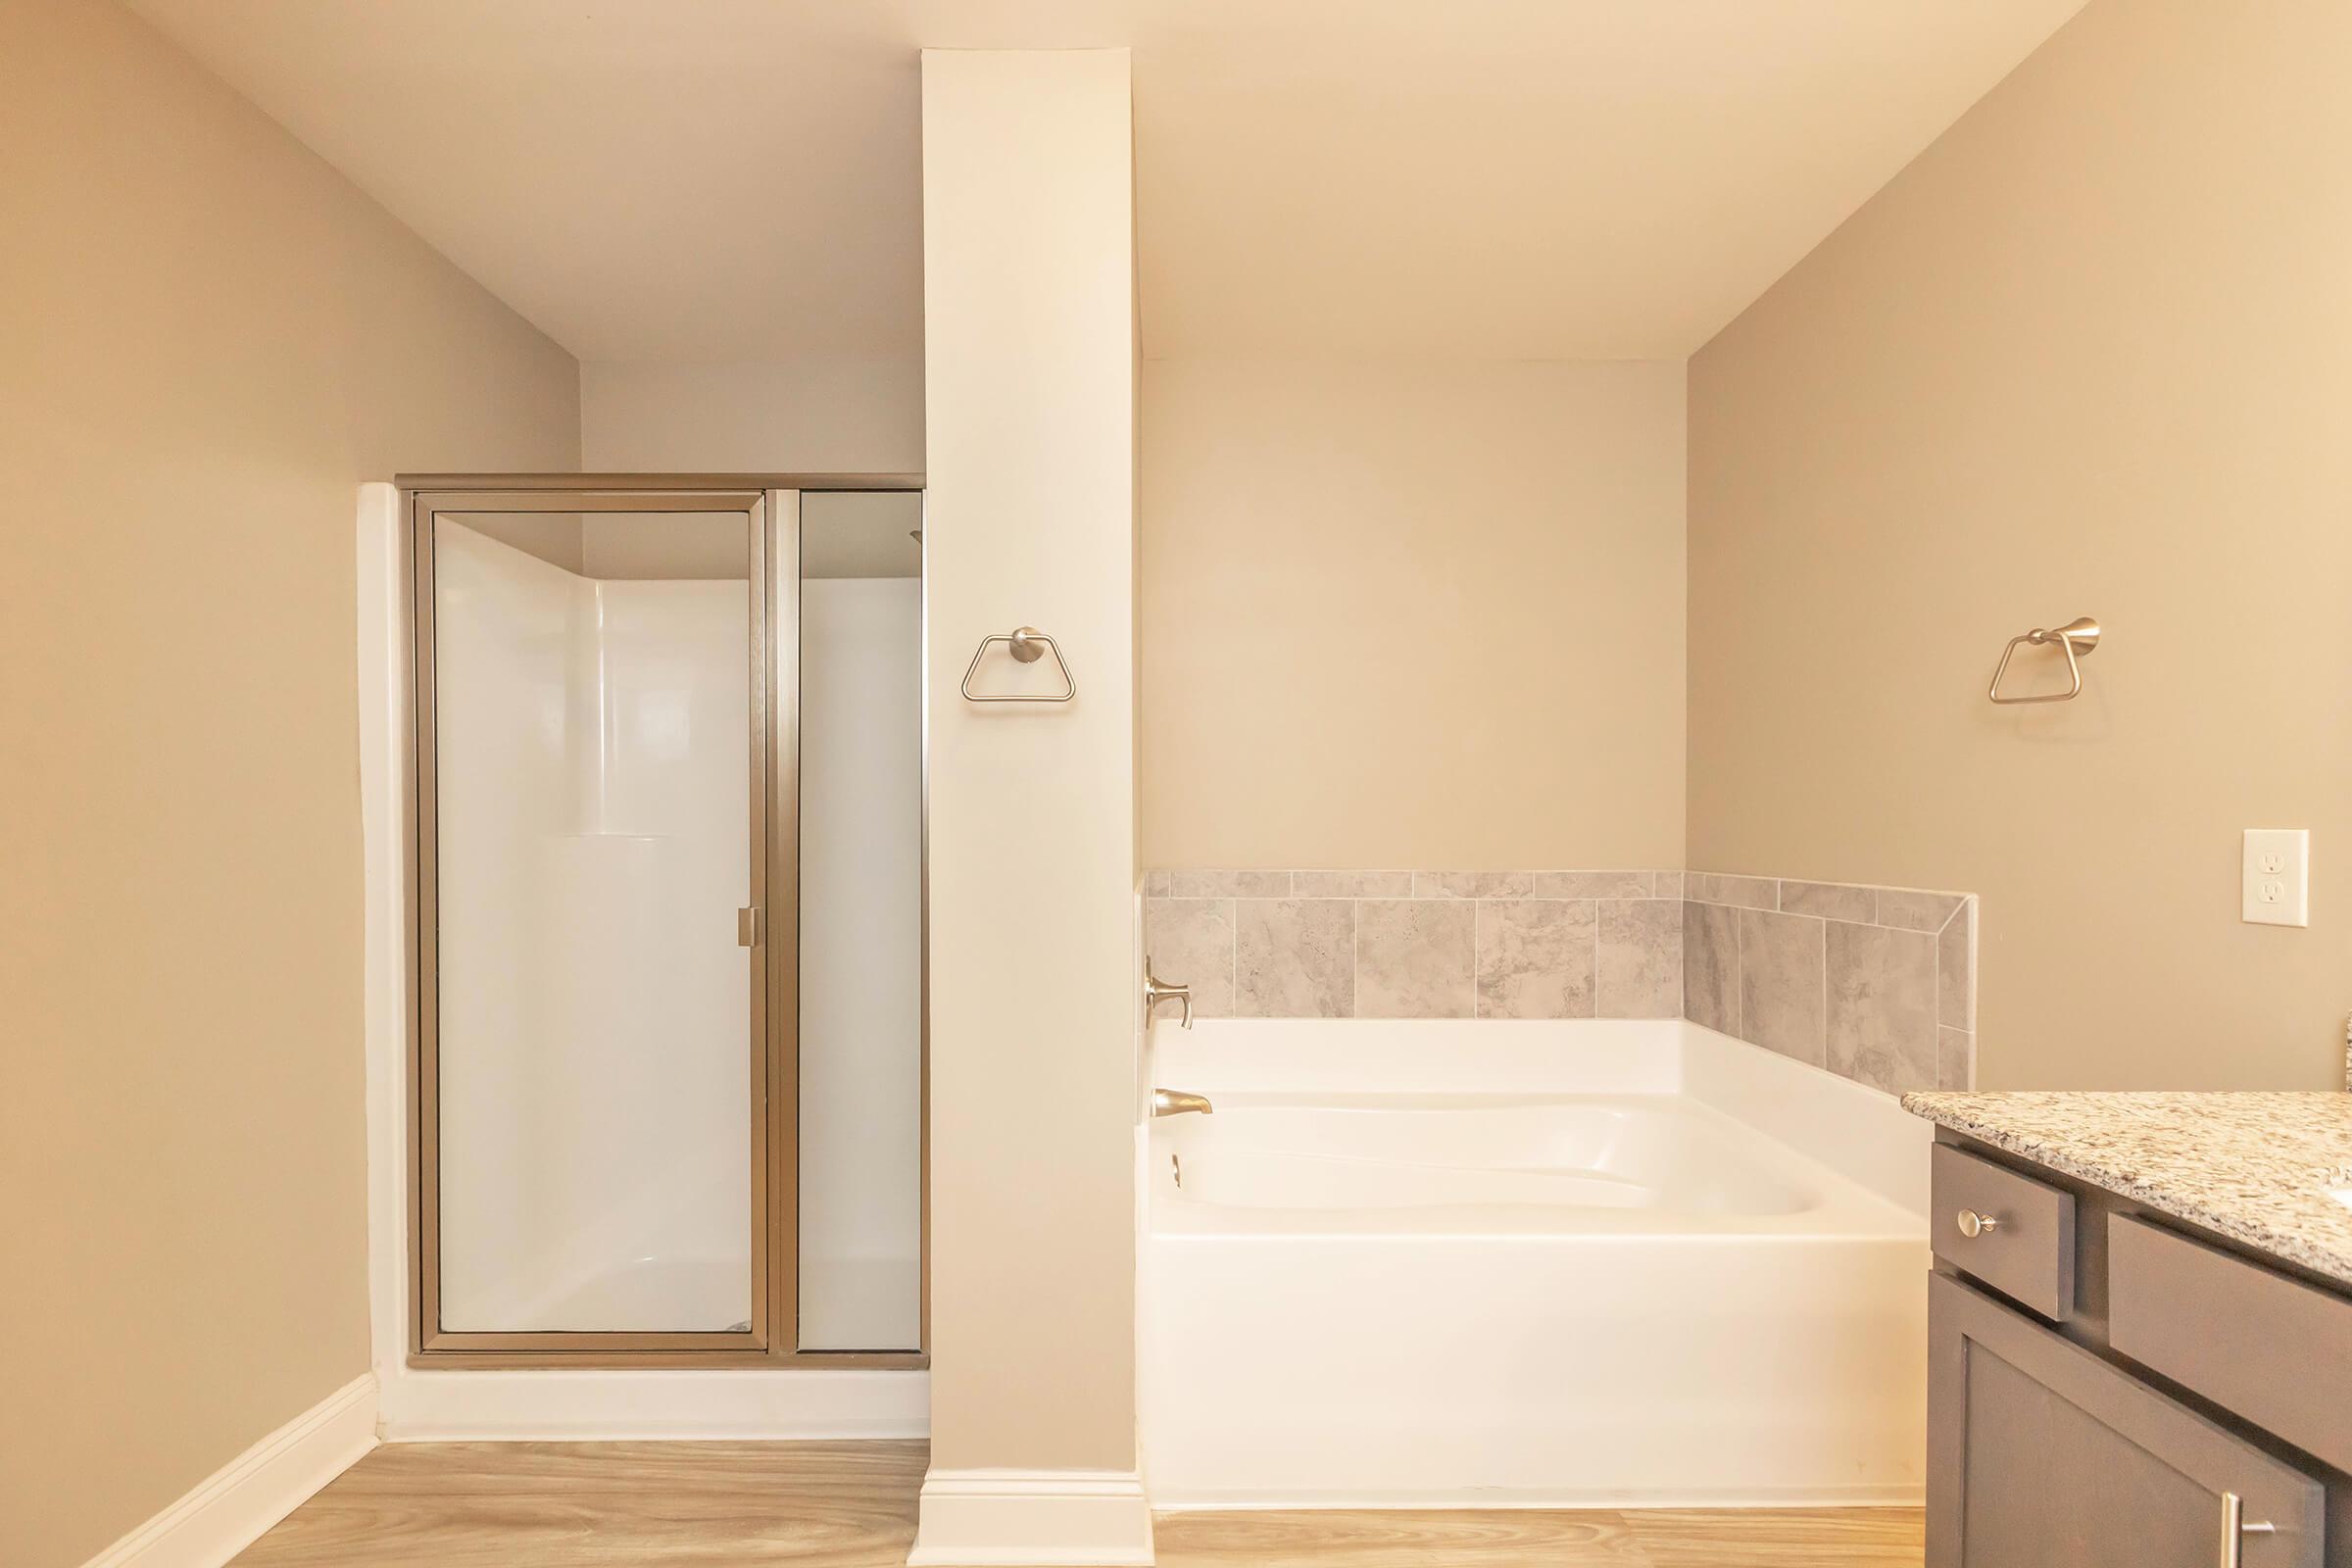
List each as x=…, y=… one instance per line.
x=1973, y=1224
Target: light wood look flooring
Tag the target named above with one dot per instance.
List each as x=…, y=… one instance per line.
x=1826, y=1537
x=852, y=1505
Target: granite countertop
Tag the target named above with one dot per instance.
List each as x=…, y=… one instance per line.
x=2255, y=1167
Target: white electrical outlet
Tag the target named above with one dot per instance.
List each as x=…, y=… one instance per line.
x=2275, y=878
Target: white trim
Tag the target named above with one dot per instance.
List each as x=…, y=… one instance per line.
x=229, y=1510
x=565, y=1404
x=558, y=1403
x=384, y=964
x=984, y=1518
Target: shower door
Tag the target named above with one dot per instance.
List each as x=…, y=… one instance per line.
x=606, y=893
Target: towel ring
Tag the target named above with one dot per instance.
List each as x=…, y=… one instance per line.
x=2079, y=637
x=1027, y=645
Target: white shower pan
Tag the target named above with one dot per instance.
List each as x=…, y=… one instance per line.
x=1586, y=1263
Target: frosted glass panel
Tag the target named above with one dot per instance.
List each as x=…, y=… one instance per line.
x=592, y=735
x=861, y=1037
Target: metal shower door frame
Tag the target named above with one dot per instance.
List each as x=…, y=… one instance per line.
x=771, y=505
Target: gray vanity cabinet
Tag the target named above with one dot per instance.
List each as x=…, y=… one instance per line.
x=2047, y=1456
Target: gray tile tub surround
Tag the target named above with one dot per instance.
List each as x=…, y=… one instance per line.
x=1190, y=943
x=1419, y=944
x=1874, y=984
x=1294, y=957
x=1537, y=957
x=1417, y=958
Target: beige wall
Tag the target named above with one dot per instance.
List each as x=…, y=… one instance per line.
x=808, y=415
x=1412, y=614
x=1029, y=261
x=2091, y=355
x=210, y=340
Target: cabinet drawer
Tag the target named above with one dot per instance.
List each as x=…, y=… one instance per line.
x=2271, y=1350
x=2023, y=1246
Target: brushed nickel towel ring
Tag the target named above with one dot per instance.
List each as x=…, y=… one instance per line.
x=2078, y=637
x=1027, y=645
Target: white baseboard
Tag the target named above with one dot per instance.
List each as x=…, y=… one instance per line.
x=228, y=1512
x=565, y=1404
x=1079, y=1518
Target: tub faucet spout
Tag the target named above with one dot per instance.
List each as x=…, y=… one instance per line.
x=1176, y=1102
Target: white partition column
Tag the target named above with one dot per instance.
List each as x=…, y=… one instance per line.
x=1029, y=383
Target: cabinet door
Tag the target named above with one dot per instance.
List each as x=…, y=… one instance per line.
x=2043, y=1455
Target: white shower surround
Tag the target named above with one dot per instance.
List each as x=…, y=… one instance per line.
x=594, y=844
x=1500, y=1263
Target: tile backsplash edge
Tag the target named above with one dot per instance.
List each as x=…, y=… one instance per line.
x=1872, y=983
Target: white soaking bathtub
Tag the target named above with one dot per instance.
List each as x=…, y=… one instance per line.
x=1527, y=1264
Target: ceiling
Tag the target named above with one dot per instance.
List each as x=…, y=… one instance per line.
x=697, y=180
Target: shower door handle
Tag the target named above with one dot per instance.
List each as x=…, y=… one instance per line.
x=747, y=926
x=2235, y=1528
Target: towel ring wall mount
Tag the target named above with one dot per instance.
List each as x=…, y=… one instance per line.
x=1027, y=645
x=2078, y=638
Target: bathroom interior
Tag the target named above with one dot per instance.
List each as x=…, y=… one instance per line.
x=1092, y=782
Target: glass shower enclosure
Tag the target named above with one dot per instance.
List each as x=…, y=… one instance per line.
x=666, y=1076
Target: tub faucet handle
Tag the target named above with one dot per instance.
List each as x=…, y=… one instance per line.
x=1154, y=993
